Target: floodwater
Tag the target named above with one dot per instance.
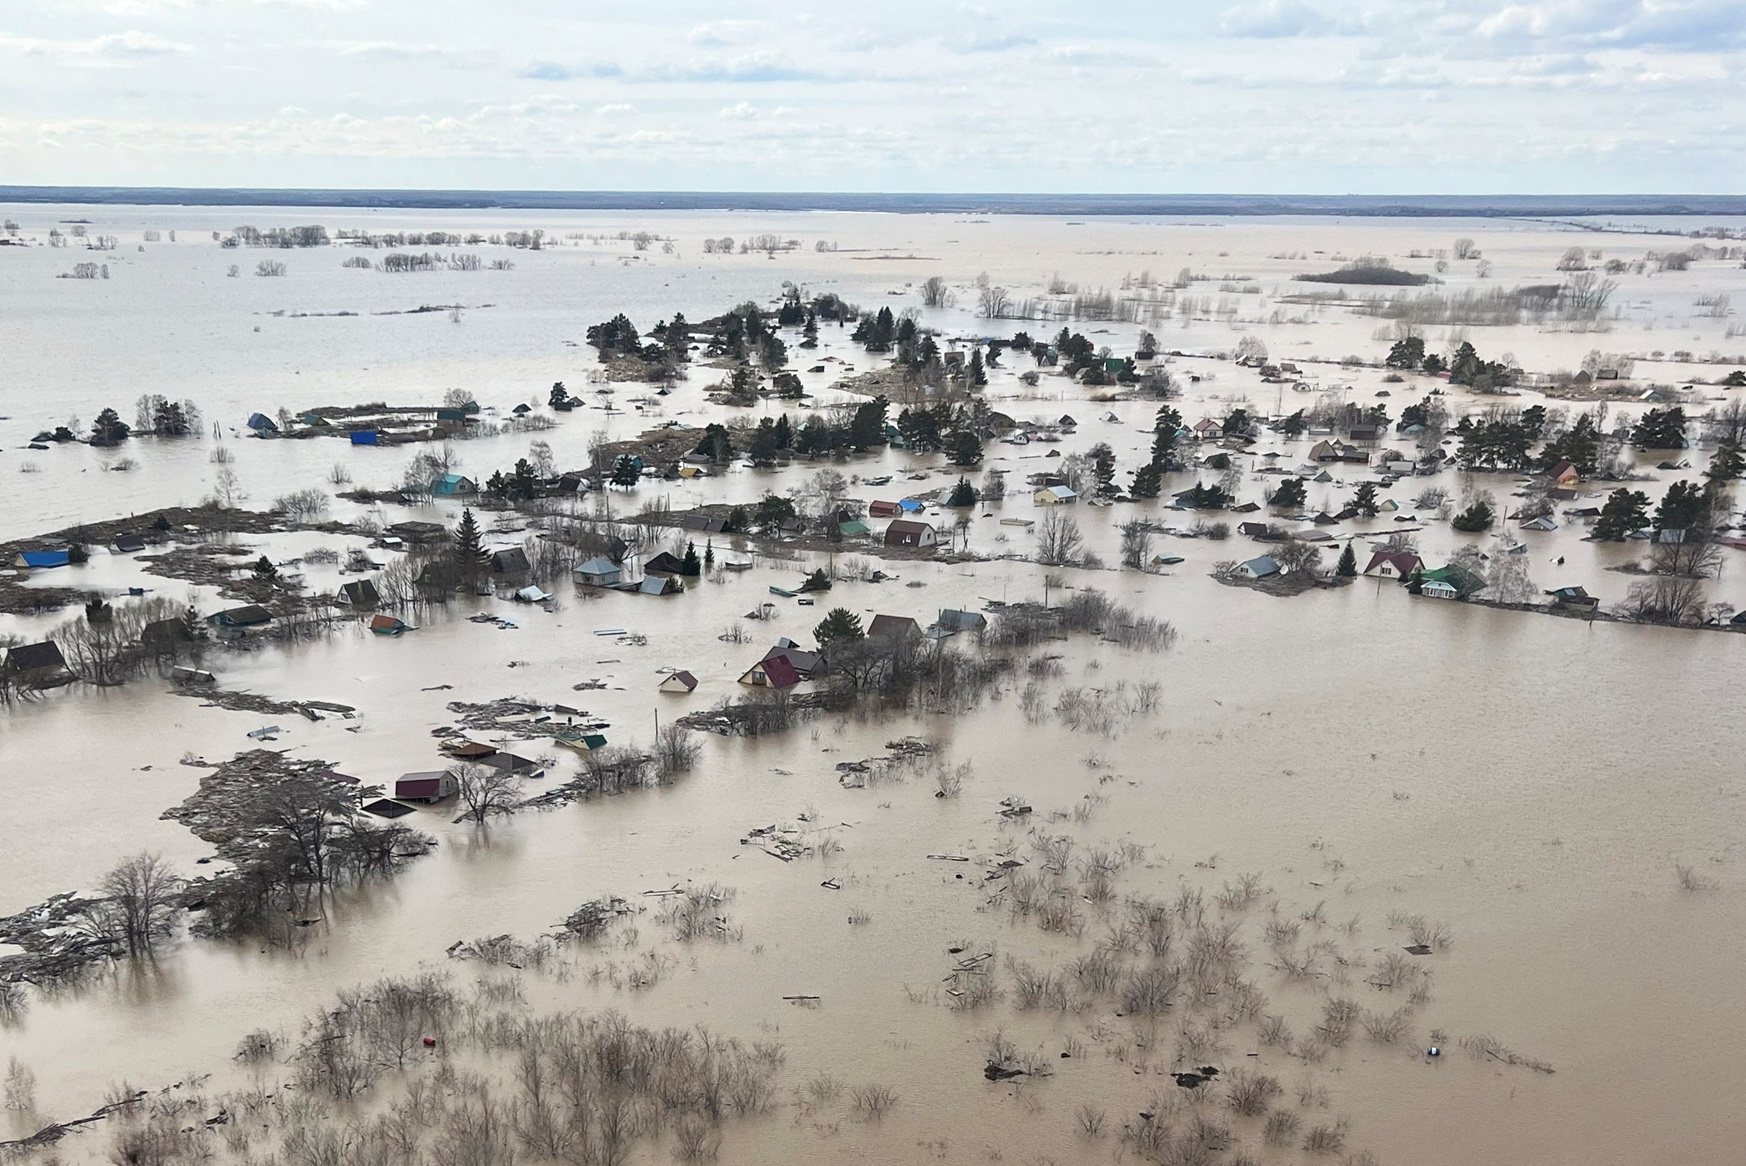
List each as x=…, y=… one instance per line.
x=1529, y=781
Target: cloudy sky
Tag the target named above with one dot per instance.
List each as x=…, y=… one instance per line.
x=1311, y=96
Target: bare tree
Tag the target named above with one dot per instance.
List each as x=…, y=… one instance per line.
x=1692, y=559
x=992, y=302
x=1136, y=543
x=485, y=791
x=1667, y=601
x=139, y=904
x=935, y=293
x=676, y=750
x=1294, y=556
x=1058, y=539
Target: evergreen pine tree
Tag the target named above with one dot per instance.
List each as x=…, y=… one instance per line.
x=1348, y=565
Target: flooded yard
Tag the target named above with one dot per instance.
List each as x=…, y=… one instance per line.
x=1304, y=840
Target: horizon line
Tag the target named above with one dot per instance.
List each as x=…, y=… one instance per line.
x=1011, y=202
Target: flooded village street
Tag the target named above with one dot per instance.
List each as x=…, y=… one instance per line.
x=1153, y=785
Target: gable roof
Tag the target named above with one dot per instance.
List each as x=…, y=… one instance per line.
x=778, y=670
x=32, y=657
x=682, y=679
x=892, y=627
x=241, y=617
x=359, y=592
x=598, y=565
x=509, y=560
x=128, y=542
x=44, y=558
x=665, y=563
x=1261, y=565
x=1403, y=562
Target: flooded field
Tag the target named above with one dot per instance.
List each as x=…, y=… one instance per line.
x=1302, y=839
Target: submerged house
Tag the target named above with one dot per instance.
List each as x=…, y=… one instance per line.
x=387, y=625
x=511, y=561
x=1054, y=496
x=1449, y=582
x=1391, y=565
x=679, y=682
x=35, y=560
x=1573, y=599
x=427, y=786
x=907, y=532
x=893, y=627
x=38, y=665
x=953, y=620
x=248, y=616
x=1261, y=567
x=599, y=571
x=262, y=424
x=773, y=671
x=665, y=563
x=453, y=485
x=359, y=593
x=127, y=544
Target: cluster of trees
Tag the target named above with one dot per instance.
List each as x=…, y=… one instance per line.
x=161, y=417
x=1463, y=365
x=277, y=237
x=109, y=428
x=1166, y=432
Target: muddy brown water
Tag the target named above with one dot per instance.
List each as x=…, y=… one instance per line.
x=1529, y=781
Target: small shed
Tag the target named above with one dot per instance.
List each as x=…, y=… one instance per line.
x=262, y=424
x=599, y=571
x=427, y=786
x=882, y=509
x=1054, y=496
x=659, y=585
x=893, y=627
x=387, y=625
x=364, y=437
x=1260, y=567
x=127, y=544
x=679, y=682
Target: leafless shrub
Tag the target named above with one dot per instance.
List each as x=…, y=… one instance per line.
x=1274, y=1032
x=1397, y=970
x=1090, y=1117
x=259, y=1045
x=1281, y=1127
x=1691, y=880
x=302, y=505
x=20, y=1087
x=1036, y=988
x=1241, y=895
x=1387, y=1027
x=13, y=1001
x=1431, y=934
x=1338, y=1017
x=872, y=1102
x=1150, y=990
x=1325, y=1139
x=1059, y=913
x=695, y=1140
x=951, y=781
x=485, y=792
x=1249, y=1094
x=699, y=914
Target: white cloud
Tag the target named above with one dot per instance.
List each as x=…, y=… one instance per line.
x=1275, y=18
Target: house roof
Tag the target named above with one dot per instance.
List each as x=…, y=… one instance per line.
x=665, y=563
x=359, y=591
x=892, y=627
x=1062, y=492
x=681, y=677
x=509, y=560
x=1404, y=562
x=704, y=522
x=658, y=585
x=31, y=657
x=471, y=750
x=779, y=671
x=128, y=542
x=1262, y=565
x=244, y=616
x=962, y=620
x=45, y=558
x=598, y=565
x=799, y=659
x=385, y=623
x=907, y=526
